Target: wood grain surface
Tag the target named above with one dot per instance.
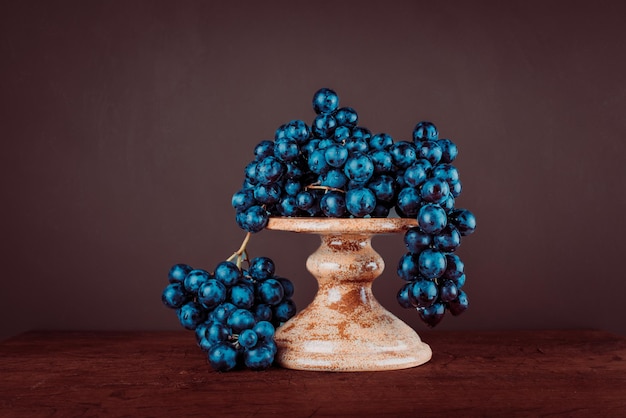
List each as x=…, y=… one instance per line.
x=153, y=374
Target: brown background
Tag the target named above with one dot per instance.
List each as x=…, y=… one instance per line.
x=125, y=128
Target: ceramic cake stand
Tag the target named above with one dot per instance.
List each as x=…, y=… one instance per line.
x=345, y=328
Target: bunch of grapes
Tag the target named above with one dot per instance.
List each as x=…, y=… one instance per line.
x=233, y=311
x=336, y=168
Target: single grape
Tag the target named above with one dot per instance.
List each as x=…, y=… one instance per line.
x=383, y=187
x=381, y=141
x=254, y=219
x=324, y=126
x=334, y=178
x=431, y=263
x=359, y=167
x=263, y=312
x=423, y=293
x=336, y=155
x=454, y=267
x=217, y=332
x=191, y=314
x=305, y=200
x=239, y=320
x=227, y=272
x=432, y=218
x=174, y=296
x=243, y=199
x=269, y=170
x=355, y=145
x=317, y=161
x=434, y=190
x=267, y=194
x=360, y=201
x=404, y=154
x=341, y=133
x=325, y=101
x=446, y=172
x=417, y=173
x=264, y=330
x=383, y=161
x=417, y=240
x=459, y=305
x=448, y=240
x=286, y=149
x=409, y=202
x=432, y=314
x=222, y=312
x=448, y=291
x=211, y=293
x=425, y=131
x=271, y=292
x=284, y=311
x=287, y=286
x=248, y=338
x=403, y=296
x=333, y=204
x=222, y=357
x=263, y=149
x=464, y=220
x=361, y=132
x=449, y=150
x=242, y=296
x=258, y=358
x=261, y=268
x=347, y=116
x=408, y=267
x=429, y=150
x=195, y=279
x=297, y=130
x=178, y=272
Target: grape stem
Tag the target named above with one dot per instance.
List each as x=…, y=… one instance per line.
x=326, y=188
x=241, y=254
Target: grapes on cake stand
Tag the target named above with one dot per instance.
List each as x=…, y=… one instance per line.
x=345, y=328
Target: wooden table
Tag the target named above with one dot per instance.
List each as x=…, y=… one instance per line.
x=512, y=373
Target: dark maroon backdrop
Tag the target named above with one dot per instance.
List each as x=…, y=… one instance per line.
x=125, y=128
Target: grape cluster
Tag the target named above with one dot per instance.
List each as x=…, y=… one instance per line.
x=336, y=168
x=233, y=311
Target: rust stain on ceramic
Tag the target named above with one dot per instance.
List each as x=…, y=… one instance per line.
x=345, y=328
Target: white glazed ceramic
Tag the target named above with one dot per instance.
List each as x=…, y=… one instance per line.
x=345, y=328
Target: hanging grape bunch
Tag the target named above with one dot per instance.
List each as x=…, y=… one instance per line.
x=336, y=168
x=233, y=311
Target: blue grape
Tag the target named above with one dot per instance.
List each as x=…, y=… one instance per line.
x=264, y=330
x=336, y=155
x=360, y=201
x=227, y=272
x=449, y=150
x=425, y=131
x=191, y=314
x=430, y=151
x=174, y=296
x=404, y=154
x=178, y=272
x=217, y=332
x=416, y=173
x=383, y=161
x=297, y=130
x=292, y=187
x=324, y=126
x=287, y=286
x=448, y=240
x=242, y=296
x=325, y=101
x=454, y=267
x=286, y=149
x=432, y=218
x=446, y=172
x=240, y=319
x=383, y=187
x=263, y=312
x=254, y=219
x=333, y=204
x=464, y=221
x=243, y=199
x=305, y=200
x=432, y=314
x=359, y=167
x=409, y=202
x=222, y=357
x=261, y=268
x=269, y=170
x=263, y=149
x=381, y=141
x=347, y=116
x=417, y=240
x=360, y=132
x=267, y=194
x=432, y=263
x=222, y=312
x=211, y=293
x=459, y=305
x=403, y=296
x=341, y=133
x=435, y=190
x=195, y=279
x=259, y=358
x=334, y=178
x=408, y=267
x=284, y=311
x=317, y=162
x=248, y=338
x=456, y=188
x=423, y=293
x=448, y=291
x=271, y=292
x=355, y=145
